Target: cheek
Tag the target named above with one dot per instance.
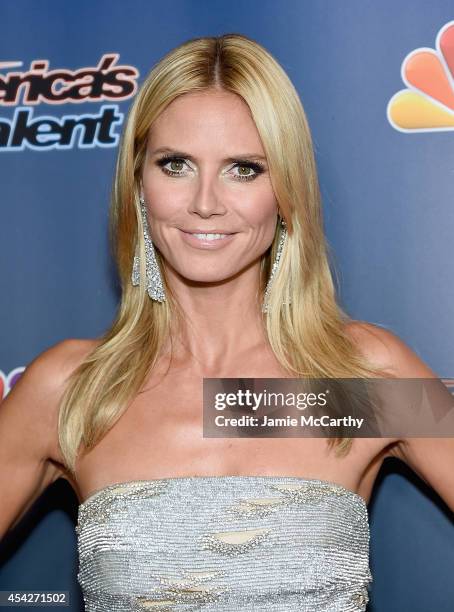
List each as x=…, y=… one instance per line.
x=163, y=203
x=260, y=206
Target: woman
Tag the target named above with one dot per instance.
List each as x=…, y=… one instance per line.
x=217, y=227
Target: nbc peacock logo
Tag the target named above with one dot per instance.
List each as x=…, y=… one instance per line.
x=427, y=105
x=7, y=381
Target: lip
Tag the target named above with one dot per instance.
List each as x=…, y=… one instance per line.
x=205, y=231
x=206, y=244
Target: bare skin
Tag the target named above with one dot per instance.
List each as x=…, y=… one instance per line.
x=168, y=442
x=160, y=435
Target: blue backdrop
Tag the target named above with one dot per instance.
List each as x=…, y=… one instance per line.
x=386, y=172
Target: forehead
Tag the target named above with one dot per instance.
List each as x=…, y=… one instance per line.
x=201, y=118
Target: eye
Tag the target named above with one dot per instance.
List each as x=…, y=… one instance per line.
x=247, y=171
x=174, y=165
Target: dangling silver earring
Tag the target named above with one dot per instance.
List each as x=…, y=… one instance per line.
x=274, y=269
x=155, y=287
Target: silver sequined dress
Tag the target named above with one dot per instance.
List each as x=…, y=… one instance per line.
x=224, y=543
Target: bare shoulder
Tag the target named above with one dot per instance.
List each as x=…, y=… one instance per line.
x=386, y=350
x=432, y=458
x=47, y=375
x=49, y=371
x=36, y=395
x=29, y=451
x=64, y=355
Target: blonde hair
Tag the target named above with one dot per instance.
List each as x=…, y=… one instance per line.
x=305, y=326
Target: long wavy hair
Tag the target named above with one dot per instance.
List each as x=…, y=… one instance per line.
x=305, y=326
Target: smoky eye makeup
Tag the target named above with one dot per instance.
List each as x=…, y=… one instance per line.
x=163, y=161
x=253, y=168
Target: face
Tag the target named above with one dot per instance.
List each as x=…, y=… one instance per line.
x=210, y=204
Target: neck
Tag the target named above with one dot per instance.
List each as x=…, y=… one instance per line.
x=222, y=320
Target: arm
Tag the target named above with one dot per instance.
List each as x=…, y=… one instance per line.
x=28, y=433
x=431, y=458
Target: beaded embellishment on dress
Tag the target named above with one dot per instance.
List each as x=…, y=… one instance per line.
x=224, y=543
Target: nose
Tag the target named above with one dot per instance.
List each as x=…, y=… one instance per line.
x=207, y=197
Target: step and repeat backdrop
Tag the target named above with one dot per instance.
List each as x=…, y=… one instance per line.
x=376, y=79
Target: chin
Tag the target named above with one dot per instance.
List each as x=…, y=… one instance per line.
x=193, y=275
x=206, y=278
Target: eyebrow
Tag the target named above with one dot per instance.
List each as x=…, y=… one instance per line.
x=242, y=157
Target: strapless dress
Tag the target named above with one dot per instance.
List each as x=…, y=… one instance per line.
x=224, y=543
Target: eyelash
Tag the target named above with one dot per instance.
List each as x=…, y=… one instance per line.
x=257, y=167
